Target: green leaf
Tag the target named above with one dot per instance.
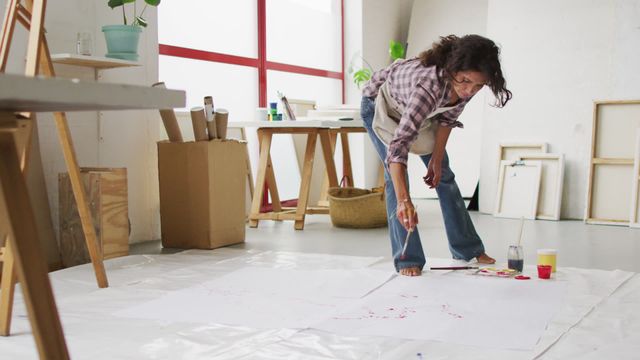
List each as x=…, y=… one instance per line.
x=115, y=3
x=396, y=50
x=140, y=21
x=153, y=2
x=361, y=76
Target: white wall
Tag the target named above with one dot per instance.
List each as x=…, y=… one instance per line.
x=559, y=56
x=127, y=138
x=431, y=19
x=378, y=22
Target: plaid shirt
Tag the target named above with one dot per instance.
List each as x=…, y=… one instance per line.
x=419, y=91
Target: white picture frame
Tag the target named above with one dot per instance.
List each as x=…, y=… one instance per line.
x=518, y=188
x=634, y=214
x=551, y=184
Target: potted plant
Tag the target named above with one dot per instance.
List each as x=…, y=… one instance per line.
x=361, y=76
x=122, y=40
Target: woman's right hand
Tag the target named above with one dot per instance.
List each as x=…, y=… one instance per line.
x=407, y=214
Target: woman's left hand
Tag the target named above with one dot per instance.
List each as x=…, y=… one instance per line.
x=434, y=171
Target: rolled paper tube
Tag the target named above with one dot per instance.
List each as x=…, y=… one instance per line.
x=169, y=120
x=199, y=122
x=221, y=118
x=211, y=127
x=208, y=108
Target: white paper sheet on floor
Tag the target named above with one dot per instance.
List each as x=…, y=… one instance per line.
x=263, y=297
x=456, y=308
x=600, y=312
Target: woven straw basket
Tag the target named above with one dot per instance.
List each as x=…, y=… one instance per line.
x=357, y=208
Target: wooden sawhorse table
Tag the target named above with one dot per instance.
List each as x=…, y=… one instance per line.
x=325, y=130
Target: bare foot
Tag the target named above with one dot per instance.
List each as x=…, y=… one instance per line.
x=485, y=259
x=411, y=271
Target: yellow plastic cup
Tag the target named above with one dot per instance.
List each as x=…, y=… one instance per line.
x=548, y=257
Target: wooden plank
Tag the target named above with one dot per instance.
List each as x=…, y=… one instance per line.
x=97, y=62
x=265, y=147
x=305, y=179
x=273, y=186
x=81, y=200
x=278, y=216
x=328, y=144
x=6, y=36
x=599, y=161
x=634, y=210
x=31, y=269
x=37, y=10
x=324, y=190
x=347, y=171
x=20, y=93
x=616, y=102
x=8, y=285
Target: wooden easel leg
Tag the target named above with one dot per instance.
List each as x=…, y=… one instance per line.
x=346, y=159
x=30, y=264
x=273, y=187
x=323, y=200
x=81, y=200
x=265, y=146
x=8, y=288
x=305, y=179
x=243, y=136
x=22, y=137
x=328, y=143
x=8, y=26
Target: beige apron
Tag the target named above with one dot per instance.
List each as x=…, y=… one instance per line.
x=387, y=116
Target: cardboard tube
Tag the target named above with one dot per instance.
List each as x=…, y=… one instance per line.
x=169, y=120
x=208, y=107
x=199, y=122
x=221, y=118
x=211, y=127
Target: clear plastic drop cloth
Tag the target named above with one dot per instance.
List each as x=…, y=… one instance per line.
x=599, y=316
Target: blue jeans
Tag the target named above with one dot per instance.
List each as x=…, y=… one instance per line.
x=464, y=242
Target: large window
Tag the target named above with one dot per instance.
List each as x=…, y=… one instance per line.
x=230, y=49
x=243, y=52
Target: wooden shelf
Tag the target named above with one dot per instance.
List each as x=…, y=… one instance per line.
x=38, y=94
x=97, y=62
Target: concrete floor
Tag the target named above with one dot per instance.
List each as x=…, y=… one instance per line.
x=578, y=244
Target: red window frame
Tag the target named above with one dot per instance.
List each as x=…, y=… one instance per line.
x=261, y=63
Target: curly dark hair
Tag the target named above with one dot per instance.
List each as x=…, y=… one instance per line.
x=469, y=53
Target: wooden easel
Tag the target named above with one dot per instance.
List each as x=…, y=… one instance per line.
x=21, y=252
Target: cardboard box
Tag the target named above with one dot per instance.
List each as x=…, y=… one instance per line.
x=106, y=190
x=202, y=193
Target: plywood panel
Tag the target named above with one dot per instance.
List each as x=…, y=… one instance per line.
x=610, y=199
x=107, y=194
x=616, y=126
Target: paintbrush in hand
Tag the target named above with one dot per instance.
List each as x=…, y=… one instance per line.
x=406, y=242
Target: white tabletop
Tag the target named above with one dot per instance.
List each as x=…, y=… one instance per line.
x=300, y=123
x=21, y=93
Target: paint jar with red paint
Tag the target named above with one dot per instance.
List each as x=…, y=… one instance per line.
x=544, y=271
